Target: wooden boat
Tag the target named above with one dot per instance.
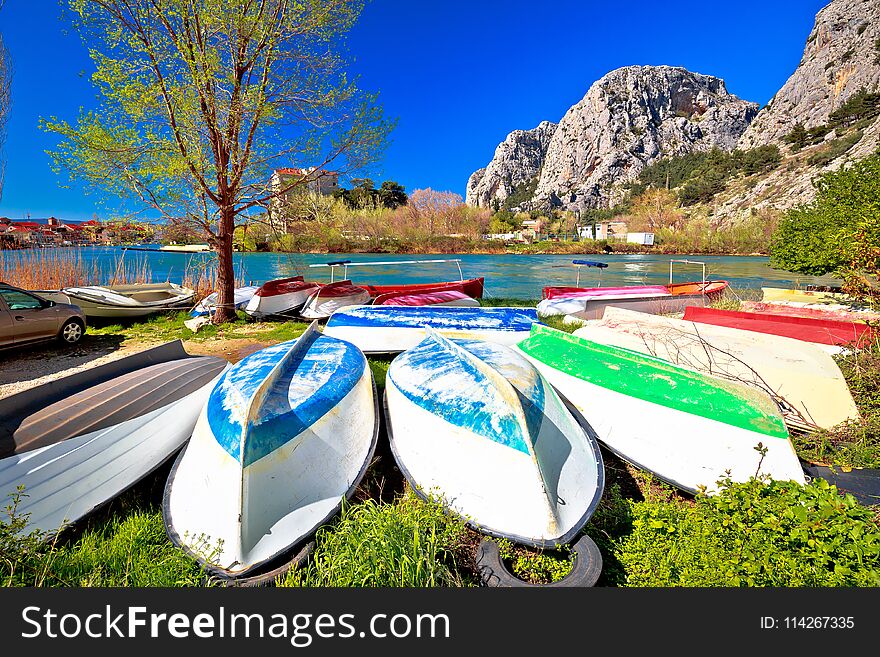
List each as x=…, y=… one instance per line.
x=429, y=297
x=686, y=427
x=121, y=301
x=286, y=434
x=475, y=425
x=78, y=442
x=241, y=298
x=832, y=335
x=282, y=296
x=329, y=298
x=803, y=378
x=392, y=329
x=833, y=312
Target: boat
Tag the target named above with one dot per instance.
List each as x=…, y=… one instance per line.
x=473, y=287
x=475, y=426
x=429, y=297
x=241, y=298
x=76, y=443
x=834, y=336
x=286, y=435
x=647, y=299
x=800, y=376
x=122, y=301
x=774, y=294
x=329, y=298
x=392, y=329
x=186, y=248
x=688, y=428
x=833, y=312
x=282, y=296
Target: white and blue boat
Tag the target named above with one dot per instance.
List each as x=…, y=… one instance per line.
x=392, y=329
x=476, y=426
x=286, y=435
x=241, y=297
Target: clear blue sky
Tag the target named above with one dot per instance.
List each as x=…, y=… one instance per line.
x=459, y=75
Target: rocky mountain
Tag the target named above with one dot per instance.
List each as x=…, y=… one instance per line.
x=638, y=114
x=517, y=161
x=629, y=118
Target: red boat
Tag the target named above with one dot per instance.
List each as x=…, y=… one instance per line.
x=472, y=287
x=281, y=296
x=430, y=297
x=832, y=312
x=332, y=296
x=820, y=331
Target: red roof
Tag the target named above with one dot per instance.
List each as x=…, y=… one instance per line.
x=27, y=224
x=293, y=171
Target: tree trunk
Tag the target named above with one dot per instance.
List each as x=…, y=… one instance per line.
x=225, y=270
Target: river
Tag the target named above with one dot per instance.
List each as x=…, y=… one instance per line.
x=515, y=276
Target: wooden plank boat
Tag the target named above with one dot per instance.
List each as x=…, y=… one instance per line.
x=833, y=312
x=686, y=427
x=78, y=442
x=286, y=434
x=832, y=335
x=801, y=376
x=121, y=301
x=476, y=425
x=429, y=297
x=282, y=296
x=329, y=298
x=392, y=329
x=208, y=305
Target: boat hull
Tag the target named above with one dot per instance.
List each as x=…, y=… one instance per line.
x=453, y=428
x=239, y=506
x=472, y=287
x=800, y=373
x=278, y=298
x=685, y=427
x=580, y=309
x=392, y=329
x=122, y=301
x=432, y=298
x=207, y=306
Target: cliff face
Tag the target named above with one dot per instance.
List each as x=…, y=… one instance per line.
x=517, y=161
x=840, y=58
x=628, y=119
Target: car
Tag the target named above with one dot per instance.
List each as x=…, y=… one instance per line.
x=26, y=318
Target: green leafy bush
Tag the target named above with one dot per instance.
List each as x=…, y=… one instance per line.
x=834, y=149
x=536, y=566
x=753, y=534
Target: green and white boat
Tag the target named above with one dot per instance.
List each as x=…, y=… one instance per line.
x=688, y=428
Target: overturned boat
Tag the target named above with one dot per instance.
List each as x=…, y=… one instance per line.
x=392, y=329
x=241, y=297
x=78, y=442
x=280, y=297
x=286, y=434
x=688, y=428
x=429, y=297
x=476, y=426
x=329, y=298
x=122, y=301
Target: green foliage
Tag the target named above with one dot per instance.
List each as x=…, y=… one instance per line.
x=834, y=149
x=504, y=221
x=758, y=533
x=521, y=193
x=839, y=231
x=536, y=566
x=364, y=194
x=408, y=543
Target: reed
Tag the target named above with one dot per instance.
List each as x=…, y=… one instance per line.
x=52, y=269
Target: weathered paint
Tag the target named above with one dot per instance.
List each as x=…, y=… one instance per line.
x=438, y=318
x=655, y=380
x=317, y=372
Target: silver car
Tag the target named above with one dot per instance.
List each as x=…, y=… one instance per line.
x=27, y=318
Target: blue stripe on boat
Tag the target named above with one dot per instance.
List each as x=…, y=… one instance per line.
x=311, y=385
x=439, y=380
x=437, y=317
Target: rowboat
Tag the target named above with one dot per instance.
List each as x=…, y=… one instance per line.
x=475, y=426
x=430, y=297
x=78, y=442
x=285, y=436
x=803, y=378
x=833, y=312
x=186, y=248
x=121, y=301
x=392, y=329
x=241, y=298
x=282, y=296
x=833, y=336
x=687, y=428
x=576, y=309
x=328, y=298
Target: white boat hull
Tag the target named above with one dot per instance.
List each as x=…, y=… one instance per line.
x=207, y=306
x=318, y=307
x=278, y=304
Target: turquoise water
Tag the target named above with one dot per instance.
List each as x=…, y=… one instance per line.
x=517, y=276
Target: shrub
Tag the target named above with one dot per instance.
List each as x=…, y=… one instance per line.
x=758, y=533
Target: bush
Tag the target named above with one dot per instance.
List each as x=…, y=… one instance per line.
x=834, y=149
x=753, y=534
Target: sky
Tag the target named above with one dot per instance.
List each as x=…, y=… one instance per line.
x=457, y=75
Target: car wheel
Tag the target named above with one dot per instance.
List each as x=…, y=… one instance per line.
x=71, y=332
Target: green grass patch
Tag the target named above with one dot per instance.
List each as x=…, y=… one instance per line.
x=536, y=566
x=406, y=543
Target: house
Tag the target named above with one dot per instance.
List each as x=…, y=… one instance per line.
x=604, y=230
x=316, y=180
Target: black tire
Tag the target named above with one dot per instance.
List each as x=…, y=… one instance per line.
x=268, y=578
x=71, y=332
x=585, y=570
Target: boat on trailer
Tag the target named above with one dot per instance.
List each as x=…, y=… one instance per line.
x=123, y=301
x=475, y=426
x=686, y=427
x=285, y=436
x=803, y=378
x=280, y=297
x=78, y=442
x=392, y=329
